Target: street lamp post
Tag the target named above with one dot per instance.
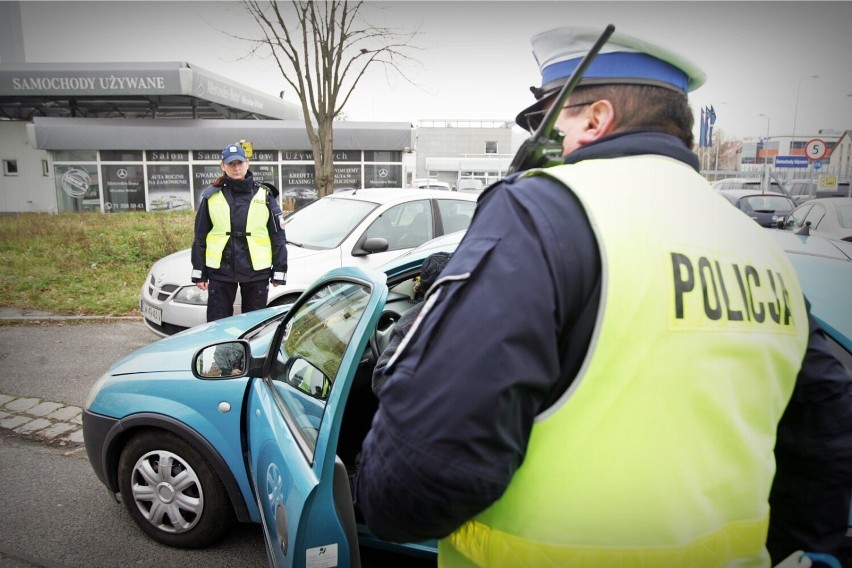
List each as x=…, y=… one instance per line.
x=766, y=141
x=796, y=111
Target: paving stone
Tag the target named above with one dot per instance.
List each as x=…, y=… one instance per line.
x=79, y=418
x=4, y=398
x=44, y=409
x=76, y=436
x=66, y=413
x=14, y=422
x=56, y=429
x=4, y=415
x=33, y=425
x=23, y=404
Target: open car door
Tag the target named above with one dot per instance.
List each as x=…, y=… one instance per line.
x=294, y=415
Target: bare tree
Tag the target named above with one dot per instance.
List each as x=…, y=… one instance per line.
x=323, y=49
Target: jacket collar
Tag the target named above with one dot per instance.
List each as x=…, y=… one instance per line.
x=635, y=143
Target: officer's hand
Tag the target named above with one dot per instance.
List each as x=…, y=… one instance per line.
x=202, y=285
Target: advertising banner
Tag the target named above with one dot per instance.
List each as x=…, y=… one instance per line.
x=124, y=188
x=384, y=175
x=791, y=161
x=168, y=188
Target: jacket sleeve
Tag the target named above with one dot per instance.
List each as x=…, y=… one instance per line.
x=458, y=404
x=203, y=225
x=809, y=501
x=279, y=240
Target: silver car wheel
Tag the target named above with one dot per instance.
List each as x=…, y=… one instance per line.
x=167, y=491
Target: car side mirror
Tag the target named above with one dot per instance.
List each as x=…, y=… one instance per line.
x=222, y=360
x=372, y=245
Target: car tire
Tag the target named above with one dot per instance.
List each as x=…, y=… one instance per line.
x=192, y=513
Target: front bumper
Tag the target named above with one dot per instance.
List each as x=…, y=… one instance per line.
x=96, y=428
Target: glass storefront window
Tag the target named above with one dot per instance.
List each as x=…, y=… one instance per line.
x=265, y=173
x=75, y=155
x=166, y=180
x=124, y=188
x=382, y=156
x=168, y=188
x=121, y=155
x=382, y=175
x=77, y=188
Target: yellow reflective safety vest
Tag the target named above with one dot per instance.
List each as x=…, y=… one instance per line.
x=661, y=451
x=257, y=233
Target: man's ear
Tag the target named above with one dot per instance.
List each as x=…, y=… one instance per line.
x=600, y=121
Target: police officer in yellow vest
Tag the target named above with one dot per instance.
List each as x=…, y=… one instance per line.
x=239, y=240
x=634, y=348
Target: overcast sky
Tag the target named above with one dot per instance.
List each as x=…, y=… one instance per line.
x=476, y=61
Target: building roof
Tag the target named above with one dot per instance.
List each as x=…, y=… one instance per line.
x=63, y=133
x=175, y=90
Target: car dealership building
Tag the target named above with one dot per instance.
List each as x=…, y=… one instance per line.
x=147, y=137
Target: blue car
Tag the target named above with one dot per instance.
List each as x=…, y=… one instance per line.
x=259, y=417
x=255, y=418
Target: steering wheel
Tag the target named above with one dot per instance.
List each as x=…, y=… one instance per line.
x=380, y=337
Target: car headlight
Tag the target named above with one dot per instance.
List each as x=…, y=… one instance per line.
x=191, y=295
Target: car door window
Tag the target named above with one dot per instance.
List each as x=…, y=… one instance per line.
x=406, y=225
x=797, y=217
x=455, y=214
x=815, y=215
x=309, y=353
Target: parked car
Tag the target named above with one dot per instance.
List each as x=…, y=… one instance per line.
x=365, y=227
x=190, y=445
x=256, y=418
x=430, y=183
x=734, y=183
x=754, y=184
x=830, y=218
x=467, y=185
x=802, y=190
x=824, y=267
x=768, y=209
x=442, y=185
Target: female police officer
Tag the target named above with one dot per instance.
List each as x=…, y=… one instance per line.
x=239, y=240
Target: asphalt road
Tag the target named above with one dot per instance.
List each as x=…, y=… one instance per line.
x=56, y=513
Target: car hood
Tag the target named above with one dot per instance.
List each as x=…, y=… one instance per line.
x=174, y=353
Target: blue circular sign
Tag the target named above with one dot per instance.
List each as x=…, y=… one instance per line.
x=817, y=164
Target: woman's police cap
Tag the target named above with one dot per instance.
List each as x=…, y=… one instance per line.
x=233, y=152
x=622, y=60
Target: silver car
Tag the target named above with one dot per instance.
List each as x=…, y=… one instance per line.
x=364, y=228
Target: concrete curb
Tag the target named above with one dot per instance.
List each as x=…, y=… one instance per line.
x=15, y=315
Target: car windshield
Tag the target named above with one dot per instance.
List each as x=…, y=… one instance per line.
x=769, y=203
x=324, y=223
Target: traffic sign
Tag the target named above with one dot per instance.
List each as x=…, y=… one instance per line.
x=816, y=149
x=827, y=183
x=817, y=164
x=791, y=162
